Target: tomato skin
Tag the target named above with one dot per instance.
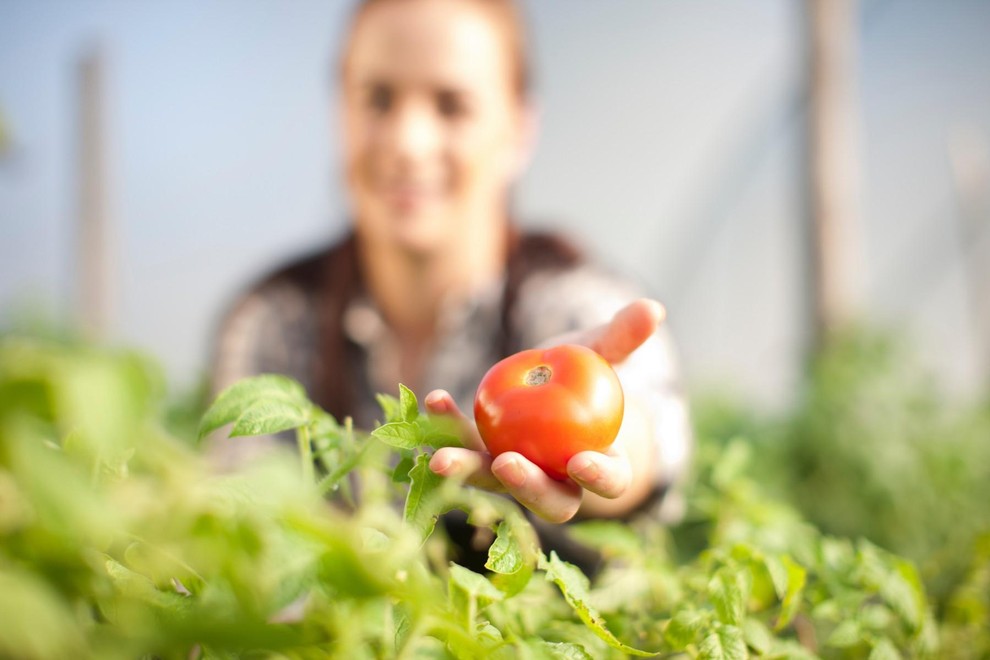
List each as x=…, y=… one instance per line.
x=578, y=408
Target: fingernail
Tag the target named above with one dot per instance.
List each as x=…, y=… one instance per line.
x=433, y=398
x=513, y=473
x=440, y=464
x=585, y=471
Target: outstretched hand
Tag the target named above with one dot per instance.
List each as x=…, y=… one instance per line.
x=608, y=475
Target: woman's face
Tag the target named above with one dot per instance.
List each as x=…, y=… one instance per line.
x=434, y=130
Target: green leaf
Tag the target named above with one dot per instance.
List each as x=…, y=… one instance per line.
x=565, y=651
x=573, y=584
x=884, y=649
x=904, y=592
x=732, y=463
x=846, y=634
x=408, y=406
x=797, y=577
x=390, y=407
x=683, y=628
x=504, y=555
x=265, y=417
x=778, y=574
x=38, y=621
x=875, y=617
x=400, y=475
x=726, y=595
x=418, y=510
x=512, y=556
x=372, y=540
x=404, y=435
x=474, y=584
x=723, y=643
x=233, y=401
x=611, y=537
x=438, y=431
x=758, y=637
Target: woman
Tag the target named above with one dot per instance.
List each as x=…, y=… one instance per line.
x=435, y=284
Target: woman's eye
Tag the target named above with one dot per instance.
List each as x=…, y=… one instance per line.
x=380, y=99
x=451, y=104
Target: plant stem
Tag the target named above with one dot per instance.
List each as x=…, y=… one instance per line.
x=305, y=453
x=472, y=612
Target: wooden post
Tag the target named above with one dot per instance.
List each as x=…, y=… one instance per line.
x=93, y=252
x=834, y=167
x=969, y=158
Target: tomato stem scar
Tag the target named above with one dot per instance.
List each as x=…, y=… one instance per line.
x=539, y=375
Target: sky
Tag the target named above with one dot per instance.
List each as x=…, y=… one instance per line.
x=671, y=144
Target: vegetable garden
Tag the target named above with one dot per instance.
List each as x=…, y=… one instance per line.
x=854, y=526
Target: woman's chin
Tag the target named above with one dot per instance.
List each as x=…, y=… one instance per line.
x=419, y=236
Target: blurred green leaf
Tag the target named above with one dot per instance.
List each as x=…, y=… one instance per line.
x=884, y=649
x=243, y=395
x=566, y=651
x=268, y=417
x=473, y=584
x=757, y=636
x=390, y=408
x=726, y=595
x=723, y=643
x=683, y=629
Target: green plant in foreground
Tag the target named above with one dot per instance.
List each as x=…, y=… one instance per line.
x=118, y=541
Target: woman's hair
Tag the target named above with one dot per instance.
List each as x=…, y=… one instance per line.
x=507, y=14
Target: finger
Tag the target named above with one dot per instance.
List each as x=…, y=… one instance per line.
x=629, y=328
x=439, y=402
x=606, y=475
x=552, y=500
x=473, y=467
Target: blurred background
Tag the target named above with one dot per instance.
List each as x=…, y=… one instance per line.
x=157, y=157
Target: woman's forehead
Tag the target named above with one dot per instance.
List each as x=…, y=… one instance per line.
x=428, y=42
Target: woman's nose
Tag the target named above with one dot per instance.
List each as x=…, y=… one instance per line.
x=415, y=132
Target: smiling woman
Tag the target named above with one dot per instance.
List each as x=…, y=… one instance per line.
x=435, y=283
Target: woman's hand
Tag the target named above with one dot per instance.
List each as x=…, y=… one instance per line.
x=610, y=476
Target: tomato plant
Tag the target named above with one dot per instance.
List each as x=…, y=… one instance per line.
x=548, y=405
x=117, y=540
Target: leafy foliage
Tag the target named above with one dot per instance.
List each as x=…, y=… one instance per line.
x=874, y=449
x=117, y=540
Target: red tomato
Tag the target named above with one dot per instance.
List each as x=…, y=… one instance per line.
x=549, y=405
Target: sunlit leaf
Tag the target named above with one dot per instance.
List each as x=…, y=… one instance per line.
x=408, y=406
x=402, y=435
x=424, y=483
x=474, y=584
x=573, y=584
x=727, y=596
x=757, y=636
x=233, y=401
x=565, y=651
x=683, y=628
x=847, y=633
x=265, y=417
x=797, y=577
x=723, y=643
x=390, y=407
x=884, y=649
